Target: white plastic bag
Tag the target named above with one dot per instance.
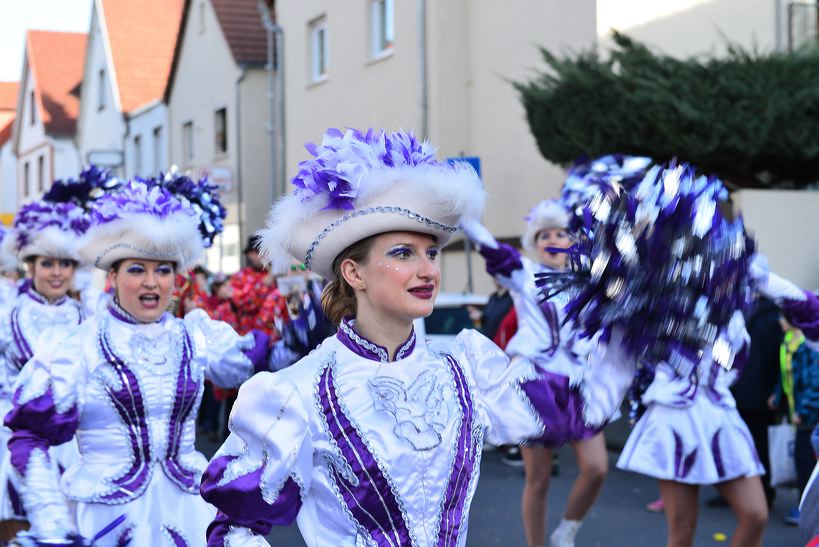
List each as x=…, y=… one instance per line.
x=781, y=441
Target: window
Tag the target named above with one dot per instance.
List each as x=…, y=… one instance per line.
x=138, y=154
x=187, y=142
x=158, y=166
x=383, y=28
x=26, y=175
x=319, y=58
x=32, y=106
x=220, y=130
x=40, y=174
x=101, y=90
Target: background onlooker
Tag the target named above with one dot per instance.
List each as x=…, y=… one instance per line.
x=797, y=392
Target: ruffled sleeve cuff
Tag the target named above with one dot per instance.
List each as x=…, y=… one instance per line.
x=231, y=359
x=45, y=413
x=258, y=477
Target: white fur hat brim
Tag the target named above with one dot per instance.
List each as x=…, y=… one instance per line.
x=174, y=238
x=430, y=199
x=50, y=241
x=546, y=214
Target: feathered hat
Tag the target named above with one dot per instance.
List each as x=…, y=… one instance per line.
x=549, y=213
x=142, y=220
x=363, y=184
x=602, y=179
x=8, y=261
x=92, y=183
x=44, y=228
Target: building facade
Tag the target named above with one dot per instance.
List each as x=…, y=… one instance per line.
x=447, y=75
x=8, y=162
x=47, y=109
x=123, y=123
x=217, y=111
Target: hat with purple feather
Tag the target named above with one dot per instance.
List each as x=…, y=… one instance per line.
x=363, y=184
x=142, y=220
x=549, y=213
x=8, y=260
x=44, y=228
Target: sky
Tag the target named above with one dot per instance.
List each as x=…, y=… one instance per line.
x=17, y=16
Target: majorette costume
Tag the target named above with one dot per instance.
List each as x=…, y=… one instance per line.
x=357, y=446
x=46, y=229
x=662, y=266
x=129, y=391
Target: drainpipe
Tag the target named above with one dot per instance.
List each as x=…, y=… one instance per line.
x=239, y=181
x=275, y=84
x=421, y=6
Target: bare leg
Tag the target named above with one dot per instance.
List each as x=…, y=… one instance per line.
x=592, y=459
x=10, y=528
x=537, y=462
x=681, y=506
x=746, y=497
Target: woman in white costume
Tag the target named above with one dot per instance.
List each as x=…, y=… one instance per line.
x=690, y=435
x=127, y=384
x=43, y=238
x=544, y=338
x=374, y=438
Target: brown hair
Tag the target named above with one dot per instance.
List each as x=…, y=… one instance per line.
x=338, y=297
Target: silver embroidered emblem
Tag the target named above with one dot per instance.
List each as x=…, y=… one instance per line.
x=153, y=351
x=420, y=411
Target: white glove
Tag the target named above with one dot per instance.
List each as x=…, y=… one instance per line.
x=778, y=289
x=478, y=233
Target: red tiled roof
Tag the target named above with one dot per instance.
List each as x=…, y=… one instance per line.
x=8, y=96
x=6, y=124
x=241, y=23
x=142, y=37
x=56, y=61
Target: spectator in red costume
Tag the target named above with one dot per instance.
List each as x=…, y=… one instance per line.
x=255, y=295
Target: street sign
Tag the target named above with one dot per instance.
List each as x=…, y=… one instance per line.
x=474, y=161
x=220, y=175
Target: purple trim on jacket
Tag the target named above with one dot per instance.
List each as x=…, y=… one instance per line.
x=371, y=501
x=464, y=466
x=187, y=390
x=501, y=261
x=38, y=424
x=240, y=502
x=362, y=347
x=129, y=404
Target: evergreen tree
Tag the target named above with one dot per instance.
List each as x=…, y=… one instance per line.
x=751, y=118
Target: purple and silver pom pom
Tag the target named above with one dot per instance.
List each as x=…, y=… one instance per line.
x=203, y=198
x=91, y=184
x=602, y=178
x=660, y=261
x=343, y=159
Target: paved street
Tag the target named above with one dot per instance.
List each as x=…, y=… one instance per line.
x=617, y=519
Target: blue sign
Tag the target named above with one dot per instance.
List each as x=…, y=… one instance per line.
x=474, y=161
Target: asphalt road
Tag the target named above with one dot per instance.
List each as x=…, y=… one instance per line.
x=617, y=519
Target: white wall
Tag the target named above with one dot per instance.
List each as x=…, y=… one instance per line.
x=8, y=178
x=66, y=159
x=143, y=124
x=785, y=224
x=99, y=130
x=691, y=27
